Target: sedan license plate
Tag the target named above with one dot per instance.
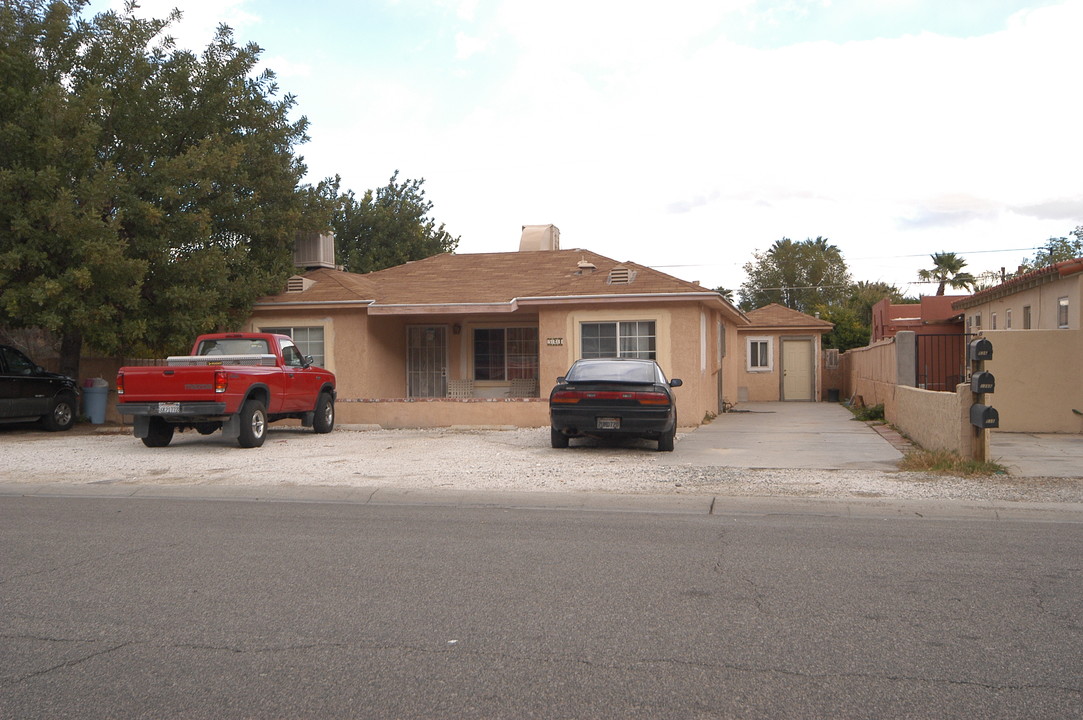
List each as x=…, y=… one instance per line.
x=608, y=423
x=168, y=408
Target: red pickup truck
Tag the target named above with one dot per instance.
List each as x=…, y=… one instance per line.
x=236, y=382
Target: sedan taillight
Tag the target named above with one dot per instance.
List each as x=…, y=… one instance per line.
x=571, y=397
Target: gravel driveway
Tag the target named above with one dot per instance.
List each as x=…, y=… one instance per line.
x=488, y=460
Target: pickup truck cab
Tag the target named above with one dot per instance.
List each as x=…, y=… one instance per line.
x=236, y=382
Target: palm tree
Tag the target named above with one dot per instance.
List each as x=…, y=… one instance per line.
x=947, y=270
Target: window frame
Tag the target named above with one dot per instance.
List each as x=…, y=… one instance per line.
x=760, y=367
x=621, y=337
x=1062, y=313
x=507, y=369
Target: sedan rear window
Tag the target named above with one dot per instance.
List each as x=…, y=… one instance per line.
x=612, y=371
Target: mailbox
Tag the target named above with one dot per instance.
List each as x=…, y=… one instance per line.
x=982, y=382
x=984, y=416
x=980, y=349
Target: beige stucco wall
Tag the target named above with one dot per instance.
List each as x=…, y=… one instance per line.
x=1042, y=300
x=766, y=385
x=367, y=354
x=873, y=374
x=1037, y=380
x=936, y=420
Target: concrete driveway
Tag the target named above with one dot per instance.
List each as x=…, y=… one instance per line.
x=818, y=436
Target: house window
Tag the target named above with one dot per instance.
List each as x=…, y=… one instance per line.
x=1062, y=313
x=759, y=354
x=992, y=321
x=506, y=353
x=1008, y=319
x=633, y=339
x=977, y=323
x=309, y=340
x=1026, y=317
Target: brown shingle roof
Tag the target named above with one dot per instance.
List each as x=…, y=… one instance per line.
x=778, y=317
x=454, y=279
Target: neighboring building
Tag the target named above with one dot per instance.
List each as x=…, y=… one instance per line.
x=782, y=350
x=1044, y=299
x=1037, y=371
x=479, y=339
x=933, y=315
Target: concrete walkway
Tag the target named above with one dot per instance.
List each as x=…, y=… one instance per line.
x=1038, y=454
x=817, y=436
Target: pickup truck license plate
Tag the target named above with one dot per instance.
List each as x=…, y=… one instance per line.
x=168, y=408
x=607, y=423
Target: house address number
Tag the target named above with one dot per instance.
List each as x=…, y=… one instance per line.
x=554, y=341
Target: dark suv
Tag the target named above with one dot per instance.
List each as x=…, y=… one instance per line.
x=29, y=393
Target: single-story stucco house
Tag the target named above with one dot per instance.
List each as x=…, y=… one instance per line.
x=479, y=339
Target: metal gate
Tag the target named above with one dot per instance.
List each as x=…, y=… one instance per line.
x=941, y=361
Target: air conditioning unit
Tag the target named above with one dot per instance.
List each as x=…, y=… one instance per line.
x=314, y=250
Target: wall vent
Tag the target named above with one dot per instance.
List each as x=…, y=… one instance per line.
x=620, y=276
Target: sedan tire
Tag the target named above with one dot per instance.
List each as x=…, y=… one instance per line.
x=665, y=440
x=557, y=439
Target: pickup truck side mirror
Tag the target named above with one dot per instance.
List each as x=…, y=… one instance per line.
x=307, y=361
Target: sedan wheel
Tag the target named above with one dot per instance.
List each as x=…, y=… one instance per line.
x=558, y=439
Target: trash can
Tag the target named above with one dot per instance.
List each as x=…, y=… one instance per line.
x=833, y=395
x=95, y=396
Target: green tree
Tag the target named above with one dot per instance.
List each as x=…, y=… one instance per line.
x=146, y=194
x=864, y=294
x=726, y=293
x=386, y=227
x=800, y=275
x=947, y=270
x=1056, y=250
x=850, y=330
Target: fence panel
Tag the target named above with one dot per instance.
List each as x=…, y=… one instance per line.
x=941, y=361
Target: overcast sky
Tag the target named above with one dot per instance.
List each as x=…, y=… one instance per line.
x=687, y=135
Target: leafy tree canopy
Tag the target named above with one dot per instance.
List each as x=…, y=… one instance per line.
x=146, y=193
x=1057, y=250
x=386, y=227
x=800, y=275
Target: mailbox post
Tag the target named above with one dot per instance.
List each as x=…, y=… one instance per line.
x=982, y=417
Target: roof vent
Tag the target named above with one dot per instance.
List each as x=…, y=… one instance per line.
x=298, y=284
x=620, y=276
x=586, y=266
x=539, y=237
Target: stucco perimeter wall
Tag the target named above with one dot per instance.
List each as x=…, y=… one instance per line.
x=873, y=374
x=936, y=420
x=399, y=413
x=1037, y=380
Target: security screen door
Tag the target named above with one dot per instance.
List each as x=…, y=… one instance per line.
x=426, y=361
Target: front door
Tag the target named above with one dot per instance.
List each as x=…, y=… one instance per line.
x=797, y=372
x=426, y=361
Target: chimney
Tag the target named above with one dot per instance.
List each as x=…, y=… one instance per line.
x=539, y=237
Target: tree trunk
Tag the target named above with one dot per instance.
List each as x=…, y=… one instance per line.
x=71, y=352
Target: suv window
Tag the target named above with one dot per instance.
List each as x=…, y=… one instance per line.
x=17, y=363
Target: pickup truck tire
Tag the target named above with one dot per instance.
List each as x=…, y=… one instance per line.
x=253, y=424
x=324, y=418
x=159, y=433
x=61, y=414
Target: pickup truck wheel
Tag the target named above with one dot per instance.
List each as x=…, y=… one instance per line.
x=324, y=420
x=61, y=414
x=253, y=424
x=159, y=434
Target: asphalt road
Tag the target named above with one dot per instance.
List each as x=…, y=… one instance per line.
x=187, y=608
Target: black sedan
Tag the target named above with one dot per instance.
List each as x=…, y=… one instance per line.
x=613, y=398
x=29, y=393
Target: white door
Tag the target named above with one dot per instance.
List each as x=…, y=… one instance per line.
x=797, y=372
x=426, y=361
